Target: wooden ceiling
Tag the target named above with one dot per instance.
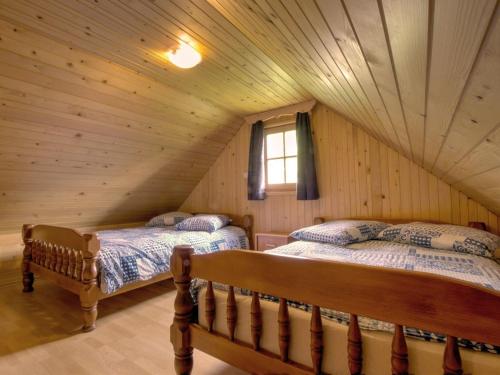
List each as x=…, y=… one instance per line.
x=88, y=99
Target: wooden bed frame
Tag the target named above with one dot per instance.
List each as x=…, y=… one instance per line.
x=416, y=299
x=69, y=258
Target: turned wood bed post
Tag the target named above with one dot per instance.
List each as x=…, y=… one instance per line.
x=89, y=291
x=28, y=277
x=180, y=337
x=247, y=226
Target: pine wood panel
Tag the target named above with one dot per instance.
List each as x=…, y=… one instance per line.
x=84, y=141
x=358, y=176
x=421, y=76
x=87, y=98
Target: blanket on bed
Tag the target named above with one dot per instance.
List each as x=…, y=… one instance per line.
x=465, y=267
x=130, y=255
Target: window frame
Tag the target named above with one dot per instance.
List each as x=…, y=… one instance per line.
x=278, y=188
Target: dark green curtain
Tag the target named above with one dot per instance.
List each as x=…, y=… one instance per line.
x=256, y=184
x=307, y=185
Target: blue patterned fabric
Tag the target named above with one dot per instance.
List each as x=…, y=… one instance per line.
x=130, y=255
x=168, y=219
x=465, y=267
x=441, y=236
x=340, y=232
x=205, y=223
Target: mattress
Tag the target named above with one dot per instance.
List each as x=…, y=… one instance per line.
x=130, y=255
x=424, y=357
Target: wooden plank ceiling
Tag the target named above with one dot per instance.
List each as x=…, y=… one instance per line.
x=95, y=120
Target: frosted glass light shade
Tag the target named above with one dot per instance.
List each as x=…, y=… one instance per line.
x=184, y=56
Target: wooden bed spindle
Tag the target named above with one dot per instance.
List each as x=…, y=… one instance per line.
x=284, y=329
x=34, y=252
x=28, y=277
x=210, y=306
x=452, y=363
x=79, y=266
x=232, y=313
x=48, y=255
x=256, y=320
x=354, y=346
x=72, y=263
x=399, y=357
x=65, y=261
x=59, y=256
x=316, y=340
x=43, y=253
x=53, y=257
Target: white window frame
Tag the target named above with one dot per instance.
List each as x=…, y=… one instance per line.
x=286, y=187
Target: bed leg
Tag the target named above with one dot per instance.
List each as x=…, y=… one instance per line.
x=28, y=280
x=179, y=330
x=90, y=290
x=28, y=277
x=89, y=309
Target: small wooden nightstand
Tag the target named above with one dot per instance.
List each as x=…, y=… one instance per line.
x=267, y=241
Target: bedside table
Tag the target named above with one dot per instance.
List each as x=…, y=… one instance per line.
x=268, y=241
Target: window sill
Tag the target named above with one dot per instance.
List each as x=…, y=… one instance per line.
x=271, y=193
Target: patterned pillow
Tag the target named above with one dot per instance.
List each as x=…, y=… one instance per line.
x=205, y=223
x=341, y=232
x=443, y=236
x=168, y=219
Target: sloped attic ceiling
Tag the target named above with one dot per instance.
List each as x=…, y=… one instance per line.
x=95, y=120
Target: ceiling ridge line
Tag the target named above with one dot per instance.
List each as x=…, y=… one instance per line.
x=373, y=115
x=430, y=40
x=325, y=94
x=351, y=24
x=391, y=56
x=332, y=84
x=342, y=83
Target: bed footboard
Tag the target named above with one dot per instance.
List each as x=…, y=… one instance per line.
x=66, y=257
x=415, y=299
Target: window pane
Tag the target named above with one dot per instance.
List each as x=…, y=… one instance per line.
x=274, y=145
x=276, y=171
x=290, y=143
x=291, y=170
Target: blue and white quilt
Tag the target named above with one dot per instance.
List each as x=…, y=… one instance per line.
x=130, y=255
x=471, y=268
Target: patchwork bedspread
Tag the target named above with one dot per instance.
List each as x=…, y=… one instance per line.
x=465, y=267
x=130, y=255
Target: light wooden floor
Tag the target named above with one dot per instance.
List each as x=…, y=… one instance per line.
x=39, y=334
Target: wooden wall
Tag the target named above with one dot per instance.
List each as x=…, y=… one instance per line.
x=84, y=141
x=358, y=176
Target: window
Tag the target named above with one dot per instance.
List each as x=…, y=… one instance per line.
x=281, y=158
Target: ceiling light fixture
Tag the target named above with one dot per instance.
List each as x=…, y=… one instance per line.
x=184, y=56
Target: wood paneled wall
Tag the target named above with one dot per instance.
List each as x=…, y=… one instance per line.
x=358, y=176
x=84, y=141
